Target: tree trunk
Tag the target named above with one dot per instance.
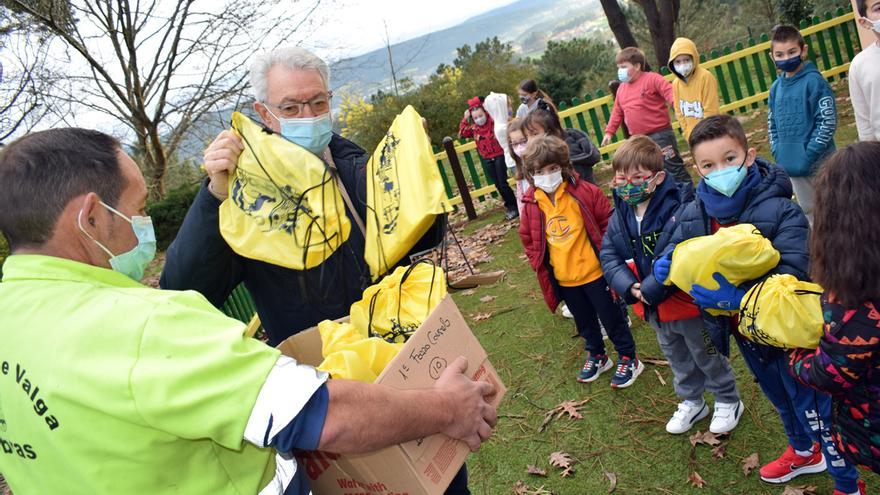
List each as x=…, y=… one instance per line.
x=618, y=24
x=661, y=15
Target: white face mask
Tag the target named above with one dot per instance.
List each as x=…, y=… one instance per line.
x=684, y=69
x=875, y=25
x=548, y=182
x=479, y=120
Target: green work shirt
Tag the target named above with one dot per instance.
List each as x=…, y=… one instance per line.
x=107, y=386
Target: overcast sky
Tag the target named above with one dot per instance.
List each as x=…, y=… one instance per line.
x=358, y=25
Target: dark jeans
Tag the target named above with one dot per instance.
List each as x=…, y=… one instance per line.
x=589, y=301
x=672, y=162
x=459, y=484
x=497, y=169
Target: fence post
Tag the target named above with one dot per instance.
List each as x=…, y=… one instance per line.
x=449, y=146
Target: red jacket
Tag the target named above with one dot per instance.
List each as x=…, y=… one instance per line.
x=487, y=145
x=596, y=210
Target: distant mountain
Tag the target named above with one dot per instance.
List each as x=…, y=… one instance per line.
x=527, y=24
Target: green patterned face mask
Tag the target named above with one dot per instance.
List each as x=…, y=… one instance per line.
x=635, y=194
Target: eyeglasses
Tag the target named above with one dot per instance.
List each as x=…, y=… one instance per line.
x=636, y=180
x=291, y=109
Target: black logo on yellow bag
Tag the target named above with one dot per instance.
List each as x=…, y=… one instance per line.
x=387, y=174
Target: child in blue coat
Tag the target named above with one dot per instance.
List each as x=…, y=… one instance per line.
x=802, y=117
x=738, y=187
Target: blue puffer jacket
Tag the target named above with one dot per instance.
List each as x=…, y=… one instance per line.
x=802, y=120
x=622, y=242
x=769, y=208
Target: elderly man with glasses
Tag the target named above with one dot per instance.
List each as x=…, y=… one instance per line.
x=292, y=93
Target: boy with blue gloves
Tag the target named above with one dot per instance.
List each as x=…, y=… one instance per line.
x=647, y=201
x=738, y=187
x=803, y=115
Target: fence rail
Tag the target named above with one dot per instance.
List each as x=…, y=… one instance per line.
x=744, y=72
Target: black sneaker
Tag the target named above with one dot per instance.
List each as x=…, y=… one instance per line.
x=511, y=214
x=628, y=369
x=594, y=367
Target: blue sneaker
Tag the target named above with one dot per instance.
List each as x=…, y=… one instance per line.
x=594, y=367
x=628, y=369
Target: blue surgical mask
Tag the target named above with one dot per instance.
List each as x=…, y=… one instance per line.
x=623, y=75
x=789, y=64
x=727, y=180
x=312, y=133
x=131, y=263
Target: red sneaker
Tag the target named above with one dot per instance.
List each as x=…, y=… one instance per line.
x=862, y=489
x=790, y=465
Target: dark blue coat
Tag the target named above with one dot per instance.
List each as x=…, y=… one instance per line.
x=287, y=300
x=769, y=208
x=622, y=242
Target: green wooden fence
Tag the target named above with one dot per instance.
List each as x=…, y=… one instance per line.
x=744, y=72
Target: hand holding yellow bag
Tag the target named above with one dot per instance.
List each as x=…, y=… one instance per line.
x=783, y=311
x=739, y=253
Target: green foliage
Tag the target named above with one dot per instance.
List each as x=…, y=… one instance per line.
x=488, y=66
x=794, y=11
x=169, y=212
x=569, y=67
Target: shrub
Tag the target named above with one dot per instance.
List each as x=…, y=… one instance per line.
x=169, y=212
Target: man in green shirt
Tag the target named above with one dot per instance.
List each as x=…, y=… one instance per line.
x=107, y=386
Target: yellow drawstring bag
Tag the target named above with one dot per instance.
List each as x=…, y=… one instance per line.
x=404, y=193
x=783, y=311
x=284, y=206
x=394, y=308
x=740, y=253
x=350, y=354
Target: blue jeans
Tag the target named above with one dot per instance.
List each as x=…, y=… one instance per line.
x=805, y=412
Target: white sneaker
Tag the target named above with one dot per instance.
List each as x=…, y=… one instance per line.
x=726, y=416
x=684, y=418
x=566, y=313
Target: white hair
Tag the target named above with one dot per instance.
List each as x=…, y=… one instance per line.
x=291, y=57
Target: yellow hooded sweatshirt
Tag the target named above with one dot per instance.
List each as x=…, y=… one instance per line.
x=696, y=96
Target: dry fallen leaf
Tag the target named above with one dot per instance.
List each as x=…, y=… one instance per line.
x=750, y=463
x=535, y=470
x=468, y=292
x=799, y=490
x=612, y=478
x=567, y=472
x=571, y=408
x=719, y=452
x=561, y=460
x=520, y=488
x=482, y=316
x=697, y=480
x=706, y=438
x=487, y=298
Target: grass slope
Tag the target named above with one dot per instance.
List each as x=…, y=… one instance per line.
x=622, y=432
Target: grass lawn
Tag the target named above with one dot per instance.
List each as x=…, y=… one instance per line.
x=622, y=432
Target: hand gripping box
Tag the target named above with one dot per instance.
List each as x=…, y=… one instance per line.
x=420, y=467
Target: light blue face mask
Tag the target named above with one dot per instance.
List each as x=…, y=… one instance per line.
x=312, y=133
x=131, y=263
x=623, y=75
x=727, y=180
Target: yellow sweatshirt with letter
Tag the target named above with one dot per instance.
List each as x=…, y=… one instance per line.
x=696, y=96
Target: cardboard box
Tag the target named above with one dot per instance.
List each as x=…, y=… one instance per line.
x=420, y=467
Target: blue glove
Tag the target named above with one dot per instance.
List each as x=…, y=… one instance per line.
x=727, y=296
x=661, y=268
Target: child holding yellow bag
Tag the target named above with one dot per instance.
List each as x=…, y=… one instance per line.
x=738, y=187
x=846, y=363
